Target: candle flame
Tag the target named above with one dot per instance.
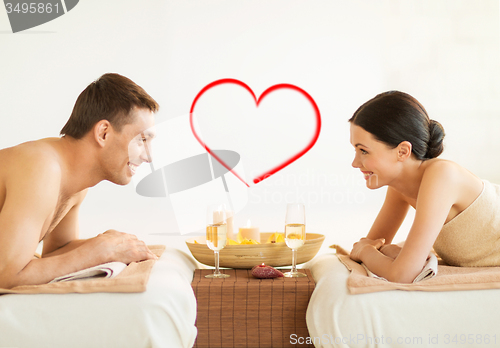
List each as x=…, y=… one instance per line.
x=249, y=224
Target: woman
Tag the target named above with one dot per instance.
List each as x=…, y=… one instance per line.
x=396, y=145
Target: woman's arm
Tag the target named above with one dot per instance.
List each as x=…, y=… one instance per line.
x=438, y=192
x=391, y=250
x=390, y=217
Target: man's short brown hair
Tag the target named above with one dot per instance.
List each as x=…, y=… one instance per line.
x=111, y=97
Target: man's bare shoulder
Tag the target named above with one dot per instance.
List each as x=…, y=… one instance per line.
x=34, y=161
x=41, y=153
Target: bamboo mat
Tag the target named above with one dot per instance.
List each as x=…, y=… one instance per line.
x=243, y=311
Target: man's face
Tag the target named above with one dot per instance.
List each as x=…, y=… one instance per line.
x=130, y=147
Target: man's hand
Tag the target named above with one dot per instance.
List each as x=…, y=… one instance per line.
x=358, y=247
x=123, y=247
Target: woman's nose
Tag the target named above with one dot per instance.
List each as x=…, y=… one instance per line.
x=355, y=162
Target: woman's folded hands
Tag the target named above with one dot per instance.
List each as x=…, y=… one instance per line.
x=359, y=247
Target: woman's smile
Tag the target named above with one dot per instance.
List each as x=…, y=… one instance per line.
x=367, y=174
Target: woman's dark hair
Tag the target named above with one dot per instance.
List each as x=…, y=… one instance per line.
x=393, y=117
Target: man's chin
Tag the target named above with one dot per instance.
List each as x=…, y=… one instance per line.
x=121, y=181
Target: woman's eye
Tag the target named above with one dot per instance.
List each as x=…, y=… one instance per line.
x=363, y=152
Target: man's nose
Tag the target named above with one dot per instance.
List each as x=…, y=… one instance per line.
x=146, y=154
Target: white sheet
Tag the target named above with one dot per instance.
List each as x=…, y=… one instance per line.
x=336, y=318
x=163, y=316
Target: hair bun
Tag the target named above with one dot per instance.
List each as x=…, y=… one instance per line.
x=435, y=144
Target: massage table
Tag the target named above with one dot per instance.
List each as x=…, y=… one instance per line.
x=162, y=316
x=336, y=318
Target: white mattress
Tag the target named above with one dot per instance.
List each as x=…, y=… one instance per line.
x=163, y=316
x=397, y=318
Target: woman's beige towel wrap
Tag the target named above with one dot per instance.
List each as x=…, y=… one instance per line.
x=472, y=238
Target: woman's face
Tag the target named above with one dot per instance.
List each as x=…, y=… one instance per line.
x=377, y=161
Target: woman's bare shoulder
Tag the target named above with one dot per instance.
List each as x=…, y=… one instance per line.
x=466, y=186
x=440, y=163
x=450, y=170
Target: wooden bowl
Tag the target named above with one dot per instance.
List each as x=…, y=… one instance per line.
x=249, y=255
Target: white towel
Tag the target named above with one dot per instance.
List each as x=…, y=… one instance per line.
x=106, y=270
x=429, y=271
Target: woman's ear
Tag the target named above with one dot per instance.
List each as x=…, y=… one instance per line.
x=404, y=150
x=101, y=132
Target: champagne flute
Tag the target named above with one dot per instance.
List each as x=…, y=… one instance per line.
x=295, y=234
x=217, y=234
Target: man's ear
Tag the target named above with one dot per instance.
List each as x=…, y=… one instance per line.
x=101, y=132
x=404, y=150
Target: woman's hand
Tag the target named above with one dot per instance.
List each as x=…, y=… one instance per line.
x=359, y=247
x=390, y=250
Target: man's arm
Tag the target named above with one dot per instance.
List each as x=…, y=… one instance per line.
x=32, y=192
x=64, y=237
x=32, y=189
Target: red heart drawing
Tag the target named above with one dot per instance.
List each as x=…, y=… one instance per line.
x=257, y=102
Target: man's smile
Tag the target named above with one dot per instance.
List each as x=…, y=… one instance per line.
x=133, y=167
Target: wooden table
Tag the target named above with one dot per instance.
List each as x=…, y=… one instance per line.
x=242, y=311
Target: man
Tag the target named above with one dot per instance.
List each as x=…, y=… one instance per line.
x=43, y=183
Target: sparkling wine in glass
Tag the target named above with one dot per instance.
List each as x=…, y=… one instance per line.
x=217, y=234
x=295, y=234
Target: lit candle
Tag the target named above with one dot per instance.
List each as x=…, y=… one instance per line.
x=249, y=232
